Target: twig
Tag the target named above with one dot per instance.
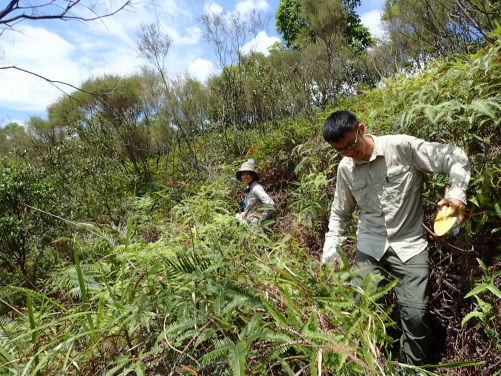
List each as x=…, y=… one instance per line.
x=12, y=361
x=54, y=82
x=84, y=225
x=7, y=304
x=176, y=350
x=19, y=271
x=62, y=16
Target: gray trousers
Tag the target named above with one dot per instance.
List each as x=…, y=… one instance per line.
x=413, y=293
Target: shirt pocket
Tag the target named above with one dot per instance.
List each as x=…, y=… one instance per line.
x=398, y=180
x=396, y=170
x=362, y=194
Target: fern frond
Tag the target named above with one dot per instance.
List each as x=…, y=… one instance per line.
x=485, y=107
x=277, y=315
x=204, y=336
x=221, y=348
x=179, y=327
x=237, y=356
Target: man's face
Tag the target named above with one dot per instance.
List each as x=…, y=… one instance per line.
x=352, y=145
x=247, y=177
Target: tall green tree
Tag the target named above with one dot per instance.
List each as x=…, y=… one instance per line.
x=484, y=16
x=227, y=33
x=334, y=38
x=14, y=141
x=298, y=25
x=289, y=23
x=117, y=113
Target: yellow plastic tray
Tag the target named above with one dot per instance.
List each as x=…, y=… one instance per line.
x=444, y=221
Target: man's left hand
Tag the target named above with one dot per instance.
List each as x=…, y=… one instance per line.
x=456, y=206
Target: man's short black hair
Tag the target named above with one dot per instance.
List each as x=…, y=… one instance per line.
x=338, y=124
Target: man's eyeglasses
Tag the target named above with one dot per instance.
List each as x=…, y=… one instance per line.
x=350, y=146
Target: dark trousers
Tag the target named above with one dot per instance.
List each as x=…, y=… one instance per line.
x=413, y=293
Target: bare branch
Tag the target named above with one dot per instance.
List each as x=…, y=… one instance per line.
x=474, y=22
x=55, y=83
x=7, y=16
x=154, y=45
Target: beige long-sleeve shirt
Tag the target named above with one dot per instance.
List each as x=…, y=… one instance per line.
x=388, y=190
x=253, y=200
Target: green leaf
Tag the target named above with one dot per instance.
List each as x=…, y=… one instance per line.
x=139, y=369
x=477, y=290
x=100, y=311
x=497, y=208
x=237, y=358
x=492, y=335
x=455, y=364
x=484, y=268
x=277, y=315
x=5, y=354
x=34, y=334
x=484, y=306
x=474, y=201
x=83, y=290
x=494, y=290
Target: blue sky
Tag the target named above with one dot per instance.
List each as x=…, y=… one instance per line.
x=72, y=52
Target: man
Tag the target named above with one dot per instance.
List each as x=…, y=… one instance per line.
x=384, y=175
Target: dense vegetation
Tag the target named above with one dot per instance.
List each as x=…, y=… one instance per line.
x=120, y=253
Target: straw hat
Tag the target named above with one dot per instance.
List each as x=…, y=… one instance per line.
x=247, y=166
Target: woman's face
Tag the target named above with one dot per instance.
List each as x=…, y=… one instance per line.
x=247, y=177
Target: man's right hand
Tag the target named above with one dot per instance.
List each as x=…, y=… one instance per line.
x=331, y=255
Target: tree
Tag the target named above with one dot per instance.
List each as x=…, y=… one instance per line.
x=121, y=118
x=332, y=33
x=297, y=22
x=289, y=23
x=424, y=30
x=154, y=45
x=387, y=59
x=227, y=33
x=14, y=141
x=483, y=15
x=45, y=135
x=185, y=112
x=25, y=234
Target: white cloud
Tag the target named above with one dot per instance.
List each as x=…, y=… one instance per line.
x=171, y=8
x=372, y=20
x=191, y=37
x=260, y=43
x=8, y=120
x=120, y=61
x=248, y=6
x=119, y=28
x=72, y=52
x=241, y=9
x=213, y=8
x=45, y=53
x=201, y=69
x=48, y=55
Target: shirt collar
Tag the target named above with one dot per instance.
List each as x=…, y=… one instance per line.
x=378, y=150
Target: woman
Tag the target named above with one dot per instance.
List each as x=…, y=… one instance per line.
x=255, y=196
